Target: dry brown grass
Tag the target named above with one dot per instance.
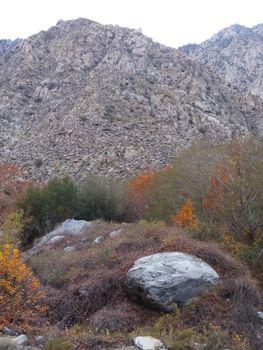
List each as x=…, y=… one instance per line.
x=105, y=305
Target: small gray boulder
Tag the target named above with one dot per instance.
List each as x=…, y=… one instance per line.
x=98, y=240
x=148, y=343
x=69, y=249
x=165, y=279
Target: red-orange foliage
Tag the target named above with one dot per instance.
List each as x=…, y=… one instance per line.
x=140, y=191
x=136, y=191
x=140, y=183
x=185, y=217
x=12, y=186
x=218, y=183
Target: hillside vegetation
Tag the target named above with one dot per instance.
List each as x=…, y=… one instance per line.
x=208, y=203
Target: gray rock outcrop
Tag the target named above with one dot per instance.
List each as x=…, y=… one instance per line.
x=163, y=279
x=69, y=227
x=85, y=98
x=236, y=54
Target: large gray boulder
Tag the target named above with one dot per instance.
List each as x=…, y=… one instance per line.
x=165, y=279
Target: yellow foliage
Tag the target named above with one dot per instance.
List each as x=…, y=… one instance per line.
x=12, y=226
x=169, y=241
x=185, y=217
x=20, y=295
x=232, y=245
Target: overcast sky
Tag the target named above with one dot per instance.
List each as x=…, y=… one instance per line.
x=171, y=22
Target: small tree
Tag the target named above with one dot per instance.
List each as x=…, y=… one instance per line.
x=12, y=227
x=101, y=198
x=138, y=195
x=240, y=207
x=21, y=300
x=188, y=177
x=185, y=217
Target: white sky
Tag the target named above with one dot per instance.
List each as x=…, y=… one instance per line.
x=171, y=22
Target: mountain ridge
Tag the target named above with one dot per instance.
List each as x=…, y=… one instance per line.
x=88, y=98
x=236, y=54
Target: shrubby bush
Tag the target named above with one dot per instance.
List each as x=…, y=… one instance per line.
x=187, y=178
x=21, y=300
x=48, y=205
x=215, y=191
x=223, y=182
x=12, y=227
x=60, y=199
x=101, y=198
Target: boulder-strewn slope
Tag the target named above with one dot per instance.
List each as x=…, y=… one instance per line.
x=236, y=53
x=83, y=97
x=87, y=286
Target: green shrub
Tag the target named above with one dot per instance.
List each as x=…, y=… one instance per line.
x=48, y=205
x=188, y=177
x=60, y=199
x=102, y=199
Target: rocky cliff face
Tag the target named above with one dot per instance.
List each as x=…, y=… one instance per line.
x=83, y=97
x=236, y=54
x=7, y=45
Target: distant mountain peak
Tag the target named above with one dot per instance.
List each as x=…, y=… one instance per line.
x=236, y=54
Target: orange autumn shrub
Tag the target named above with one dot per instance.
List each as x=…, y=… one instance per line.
x=21, y=300
x=140, y=183
x=185, y=217
x=136, y=191
x=143, y=192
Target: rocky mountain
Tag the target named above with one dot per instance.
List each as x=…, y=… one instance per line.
x=236, y=54
x=7, y=45
x=84, y=97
